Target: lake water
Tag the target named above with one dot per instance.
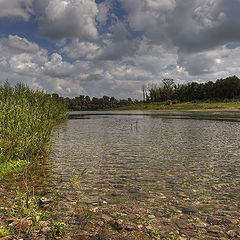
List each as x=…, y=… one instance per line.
x=157, y=164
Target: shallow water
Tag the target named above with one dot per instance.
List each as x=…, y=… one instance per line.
x=150, y=155
x=177, y=174
x=170, y=175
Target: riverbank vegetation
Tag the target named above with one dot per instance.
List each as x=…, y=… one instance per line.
x=222, y=90
x=210, y=105
x=27, y=118
x=85, y=103
x=166, y=95
x=26, y=121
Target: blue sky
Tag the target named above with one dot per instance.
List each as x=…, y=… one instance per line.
x=107, y=47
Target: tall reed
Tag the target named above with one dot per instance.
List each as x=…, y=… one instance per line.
x=27, y=118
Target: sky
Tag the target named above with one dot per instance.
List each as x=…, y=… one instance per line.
x=114, y=47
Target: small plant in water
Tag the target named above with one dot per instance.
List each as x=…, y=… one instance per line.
x=59, y=229
x=170, y=210
x=156, y=233
x=114, y=214
x=173, y=236
x=4, y=231
x=144, y=220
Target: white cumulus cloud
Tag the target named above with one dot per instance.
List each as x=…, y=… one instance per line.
x=59, y=19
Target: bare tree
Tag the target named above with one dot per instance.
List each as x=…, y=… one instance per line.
x=144, y=90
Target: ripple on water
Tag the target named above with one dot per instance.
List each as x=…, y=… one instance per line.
x=159, y=154
x=164, y=164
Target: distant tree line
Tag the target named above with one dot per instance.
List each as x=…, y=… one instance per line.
x=228, y=88
x=85, y=103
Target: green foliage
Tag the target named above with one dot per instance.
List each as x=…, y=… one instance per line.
x=59, y=229
x=173, y=236
x=184, y=106
x=143, y=220
x=26, y=121
x=170, y=210
x=114, y=214
x=156, y=233
x=83, y=103
x=224, y=89
x=4, y=231
x=26, y=206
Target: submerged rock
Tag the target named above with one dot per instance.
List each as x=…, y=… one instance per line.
x=22, y=225
x=117, y=225
x=182, y=238
x=140, y=226
x=183, y=224
x=6, y=238
x=118, y=186
x=200, y=224
x=106, y=218
x=218, y=220
x=215, y=229
x=130, y=227
x=43, y=223
x=149, y=228
x=189, y=210
x=133, y=190
x=40, y=237
x=45, y=200
x=46, y=229
x=232, y=233
x=114, y=194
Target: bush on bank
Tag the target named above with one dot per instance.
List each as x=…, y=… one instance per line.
x=27, y=118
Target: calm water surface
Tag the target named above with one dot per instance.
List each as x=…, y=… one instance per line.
x=150, y=155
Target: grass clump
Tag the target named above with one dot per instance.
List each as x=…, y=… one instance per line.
x=156, y=233
x=4, y=231
x=26, y=120
x=59, y=229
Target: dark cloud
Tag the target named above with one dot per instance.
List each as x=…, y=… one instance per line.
x=117, y=46
x=195, y=28
x=95, y=77
x=192, y=26
x=16, y=9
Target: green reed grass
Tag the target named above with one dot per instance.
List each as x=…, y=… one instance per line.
x=27, y=118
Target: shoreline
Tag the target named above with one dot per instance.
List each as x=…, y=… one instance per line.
x=187, y=106
x=171, y=110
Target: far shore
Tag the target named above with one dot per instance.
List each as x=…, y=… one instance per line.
x=187, y=106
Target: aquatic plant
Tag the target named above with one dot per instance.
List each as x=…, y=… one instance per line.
x=59, y=229
x=26, y=120
x=3, y=231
